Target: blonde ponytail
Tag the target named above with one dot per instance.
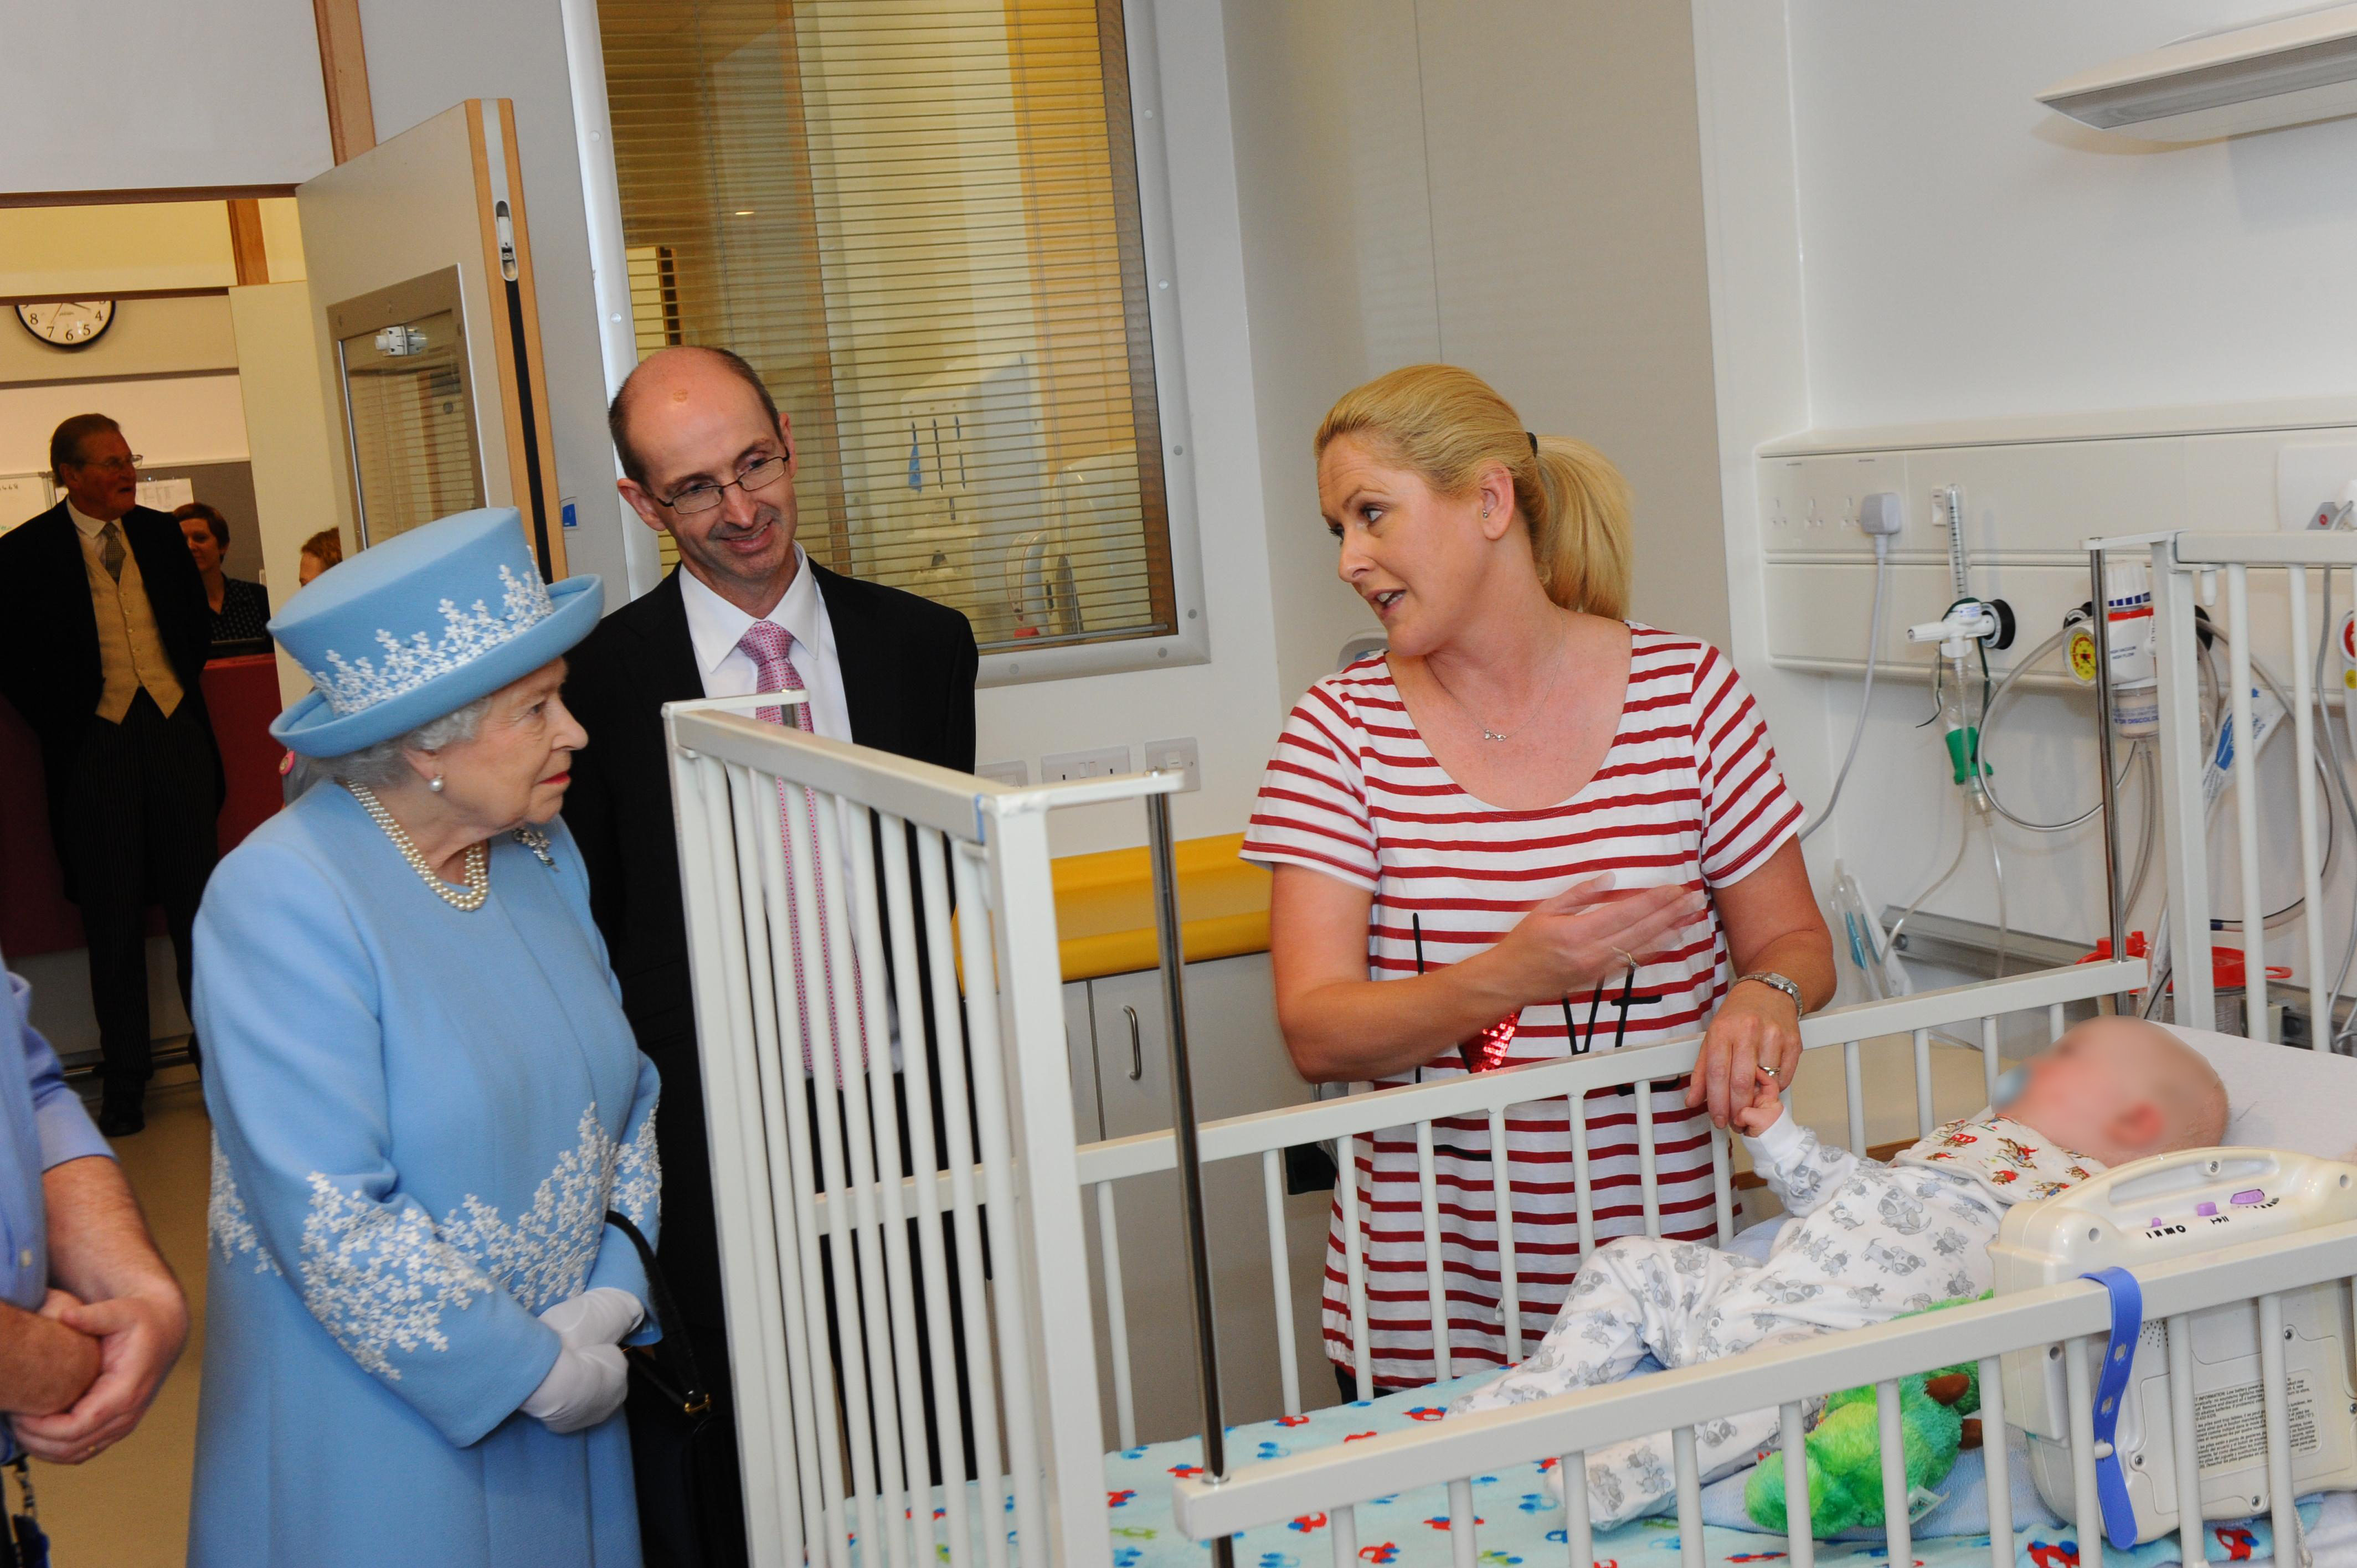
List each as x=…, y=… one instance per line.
x=1582, y=543
x=1451, y=428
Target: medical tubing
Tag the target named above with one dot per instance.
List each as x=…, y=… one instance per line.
x=1864, y=698
x=1988, y=723
x=1940, y=881
x=2331, y=835
x=1997, y=864
x=2139, y=753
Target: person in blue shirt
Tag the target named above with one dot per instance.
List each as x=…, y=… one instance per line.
x=91, y=1317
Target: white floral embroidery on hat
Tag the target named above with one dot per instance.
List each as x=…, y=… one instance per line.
x=352, y=685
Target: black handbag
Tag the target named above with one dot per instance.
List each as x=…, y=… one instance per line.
x=663, y=1378
x=22, y=1544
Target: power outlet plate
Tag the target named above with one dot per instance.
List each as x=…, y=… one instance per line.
x=1180, y=756
x=1017, y=773
x=1064, y=766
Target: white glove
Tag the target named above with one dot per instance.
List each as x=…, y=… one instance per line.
x=591, y=1378
x=601, y=1316
x=585, y=1387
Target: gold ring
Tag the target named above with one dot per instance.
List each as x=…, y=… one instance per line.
x=1625, y=957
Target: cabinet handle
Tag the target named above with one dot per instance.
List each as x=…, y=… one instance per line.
x=1137, y=1052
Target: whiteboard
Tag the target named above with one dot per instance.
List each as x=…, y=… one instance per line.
x=165, y=494
x=23, y=497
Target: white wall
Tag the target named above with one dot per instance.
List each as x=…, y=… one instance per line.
x=425, y=56
x=1514, y=187
x=1972, y=252
x=169, y=420
x=1899, y=234
x=138, y=94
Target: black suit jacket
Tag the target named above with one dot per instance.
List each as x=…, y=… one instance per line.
x=50, y=667
x=907, y=677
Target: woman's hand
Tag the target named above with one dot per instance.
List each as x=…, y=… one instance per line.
x=1773, y=923
x=1588, y=933
x=1749, y=1056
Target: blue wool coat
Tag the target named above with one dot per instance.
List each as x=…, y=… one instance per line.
x=420, y=1117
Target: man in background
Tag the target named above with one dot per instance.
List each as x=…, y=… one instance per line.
x=103, y=652
x=710, y=461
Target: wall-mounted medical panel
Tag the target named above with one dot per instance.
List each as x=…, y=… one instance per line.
x=1821, y=610
x=2030, y=497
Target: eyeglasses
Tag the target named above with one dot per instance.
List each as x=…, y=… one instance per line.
x=704, y=497
x=114, y=465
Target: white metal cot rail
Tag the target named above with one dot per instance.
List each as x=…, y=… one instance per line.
x=2186, y=567
x=906, y=913
x=2075, y=1316
x=1488, y=1097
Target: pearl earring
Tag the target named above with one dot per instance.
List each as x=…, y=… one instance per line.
x=435, y=783
x=1485, y=511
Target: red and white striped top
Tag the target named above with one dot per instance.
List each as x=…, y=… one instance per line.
x=1688, y=793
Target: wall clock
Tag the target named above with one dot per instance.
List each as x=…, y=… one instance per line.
x=68, y=323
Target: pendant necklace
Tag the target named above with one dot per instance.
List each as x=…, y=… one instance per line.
x=1489, y=731
x=479, y=854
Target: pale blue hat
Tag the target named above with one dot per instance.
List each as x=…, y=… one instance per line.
x=423, y=624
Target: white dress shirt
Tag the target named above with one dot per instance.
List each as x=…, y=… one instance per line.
x=715, y=627
x=89, y=528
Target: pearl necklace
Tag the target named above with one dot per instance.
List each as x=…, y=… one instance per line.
x=479, y=854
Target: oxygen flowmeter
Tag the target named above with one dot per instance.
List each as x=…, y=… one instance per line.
x=1970, y=625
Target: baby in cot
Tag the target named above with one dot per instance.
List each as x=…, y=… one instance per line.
x=1870, y=1241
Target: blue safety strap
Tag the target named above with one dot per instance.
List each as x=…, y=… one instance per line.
x=2119, y=1356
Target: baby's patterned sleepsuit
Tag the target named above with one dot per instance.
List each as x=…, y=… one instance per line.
x=1869, y=1242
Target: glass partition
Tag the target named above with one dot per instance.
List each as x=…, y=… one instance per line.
x=402, y=355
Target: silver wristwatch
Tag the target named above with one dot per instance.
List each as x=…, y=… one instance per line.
x=1782, y=983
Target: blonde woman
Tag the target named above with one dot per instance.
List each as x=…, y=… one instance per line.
x=1480, y=834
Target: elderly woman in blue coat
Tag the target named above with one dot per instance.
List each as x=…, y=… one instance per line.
x=425, y=1098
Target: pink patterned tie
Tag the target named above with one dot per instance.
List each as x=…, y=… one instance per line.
x=768, y=645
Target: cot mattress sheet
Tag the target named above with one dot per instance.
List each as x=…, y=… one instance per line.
x=1521, y=1527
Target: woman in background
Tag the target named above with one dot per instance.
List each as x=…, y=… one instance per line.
x=321, y=551
x=1483, y=837
x=425, y=1099
x=241, y=609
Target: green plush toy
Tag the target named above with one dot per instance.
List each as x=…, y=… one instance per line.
x=1845, y=1451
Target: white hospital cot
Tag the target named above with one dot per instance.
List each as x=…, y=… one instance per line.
x=938, y=898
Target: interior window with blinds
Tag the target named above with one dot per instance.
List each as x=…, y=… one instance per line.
x=918, y=219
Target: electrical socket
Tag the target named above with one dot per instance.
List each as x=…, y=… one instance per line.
x=1181, y=755
x=1066, y=766
x=1017, y=773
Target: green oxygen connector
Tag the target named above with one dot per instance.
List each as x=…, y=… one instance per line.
x=1963, y=748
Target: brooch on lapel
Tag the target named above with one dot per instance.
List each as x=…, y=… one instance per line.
x=536, y=841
